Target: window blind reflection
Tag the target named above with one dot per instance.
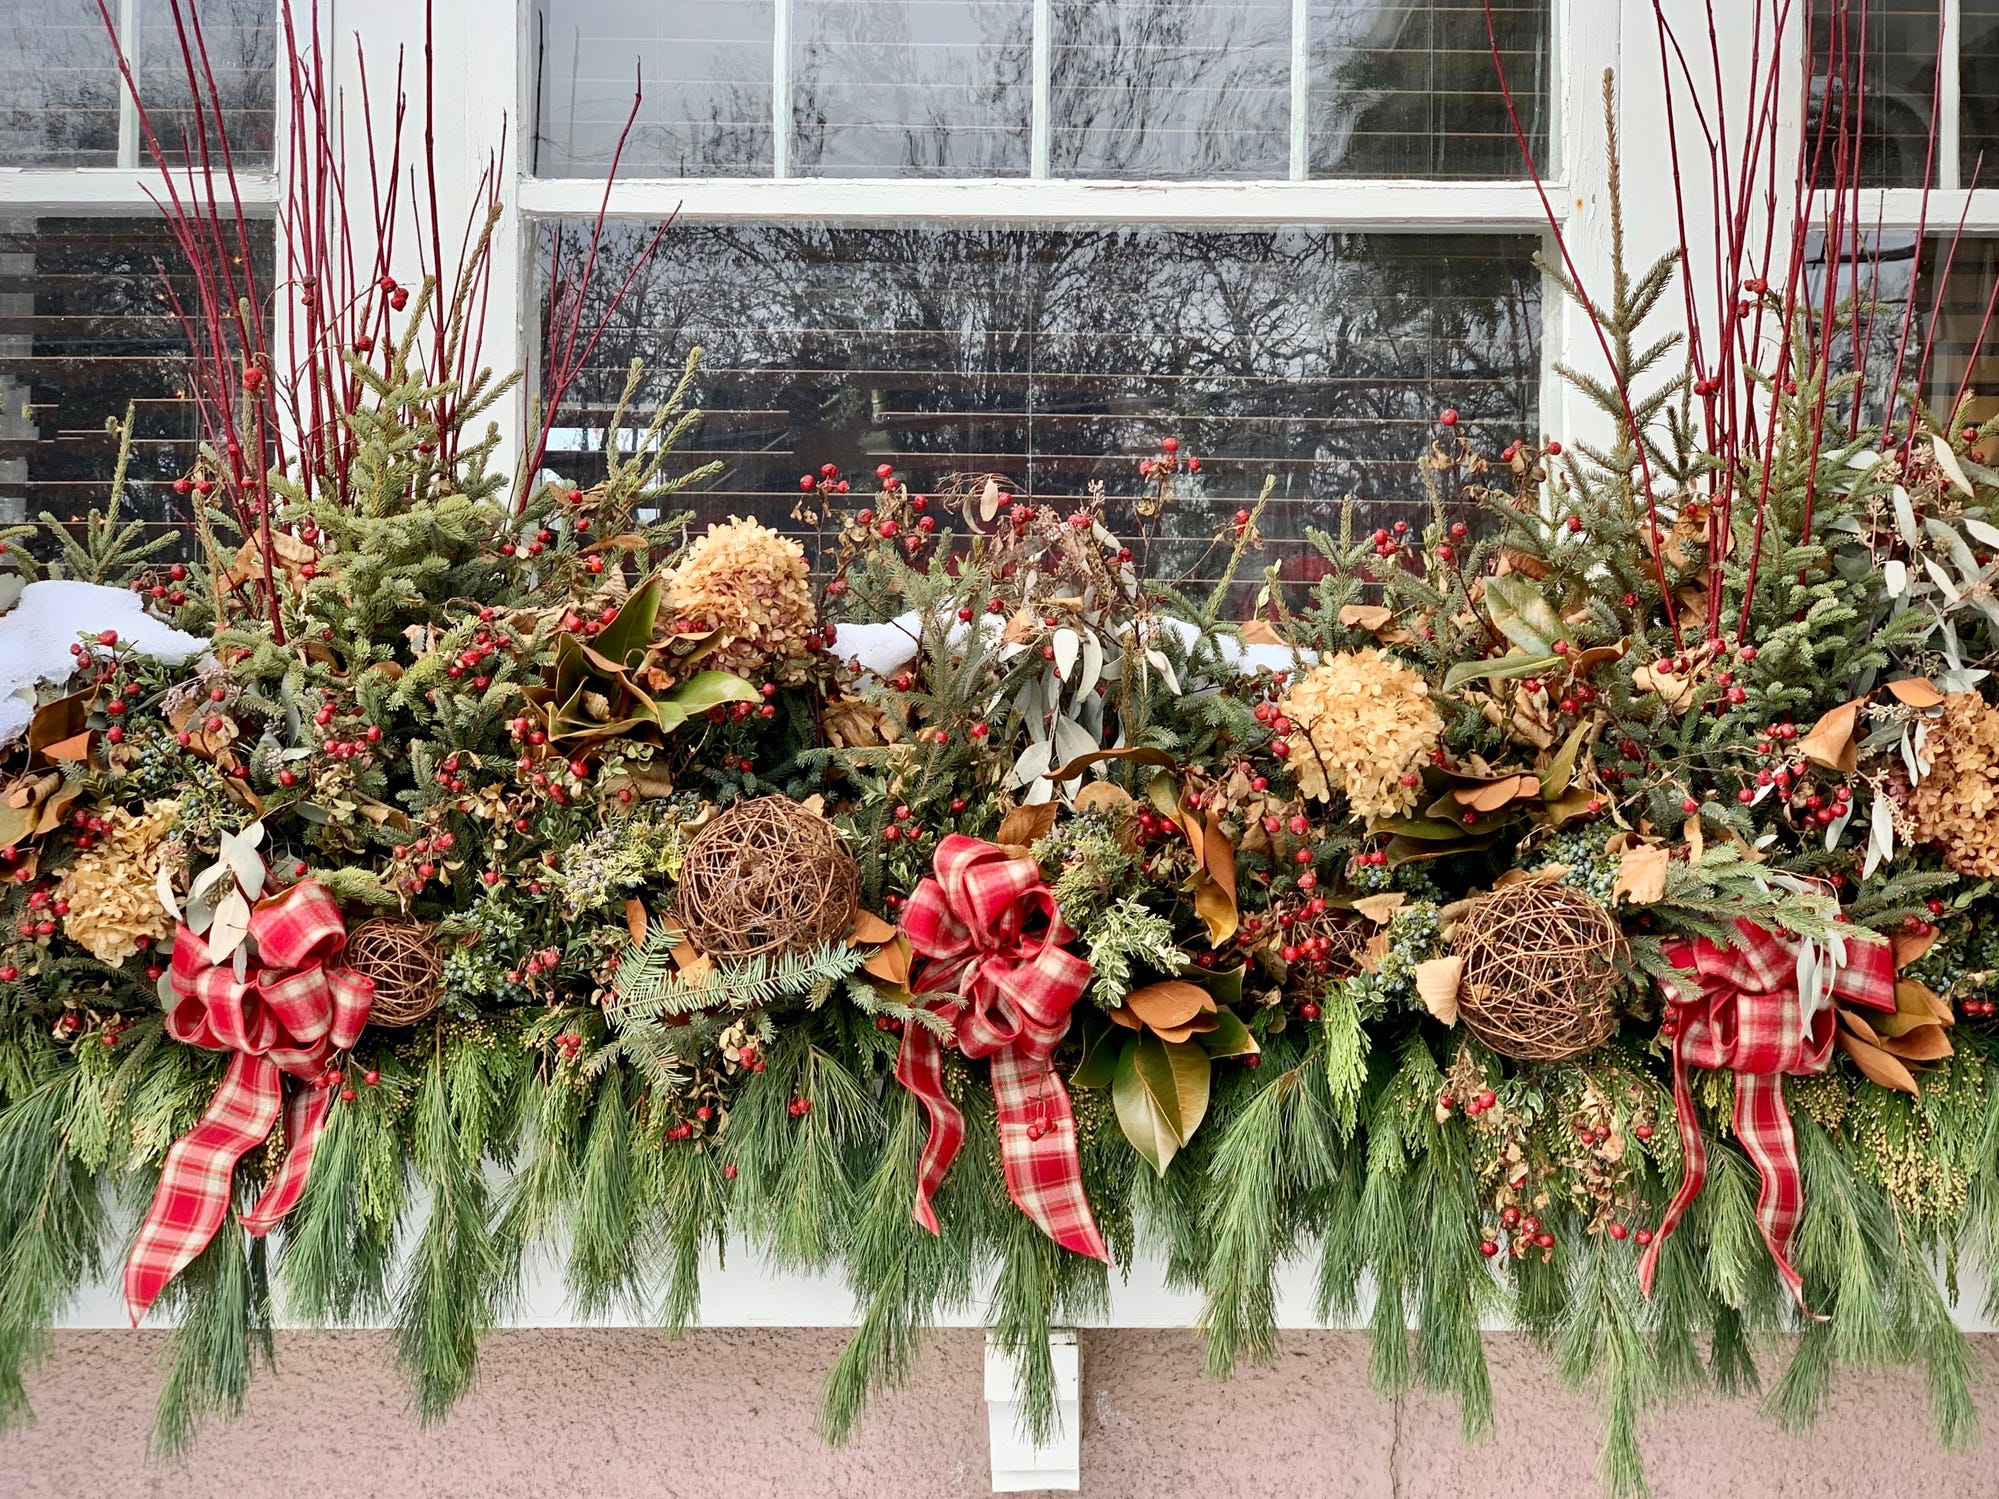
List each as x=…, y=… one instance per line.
x=85, y=327
x=1892, y=84
x=1060, y=357
x=707, y=71
x=934, y=88
x=58, y=86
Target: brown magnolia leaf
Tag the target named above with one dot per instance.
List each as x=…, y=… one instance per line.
x=1218, y=856
x=1025, y=826
x=1877, y=1065
x=57, y=721
x=76, y=747
x=1926, y=1043
x=1495, y=794
x=1676, y=692
x=989, y=500
x=635, y=919
x=1909, y=946
x=1024, y=625
x=1121, y=1016
x=1368, y=617
x=1377, y=949
x=1587, y=661
x=890, y=962
x=1260, y=632
x=1437, y=980
x=1861, y=1026
x=1200, y=1025
x=1105, y=795
x=1512, y=561
x=870, y=930
x=1168, y=1003
x=1215, y=904
x=1916, y=692
x=698, y=969
x=1131, y=754
x=1830, y=743
x=1641, y=874
x=1380, y=909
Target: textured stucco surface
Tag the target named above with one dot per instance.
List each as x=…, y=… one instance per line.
x=728, y=1415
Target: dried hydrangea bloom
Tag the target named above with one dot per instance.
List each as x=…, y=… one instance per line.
x=752, y=584
x=1957, y=804
x=1362, y=725
x=112, y=888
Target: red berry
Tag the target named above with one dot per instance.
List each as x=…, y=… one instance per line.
x=1618, y=1230
x=1487, y=1248
x=1448, y=416
x=1169, y=444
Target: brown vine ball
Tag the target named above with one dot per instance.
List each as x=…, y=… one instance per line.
x=404, y=960
x=1540, y=966
x=766, y=877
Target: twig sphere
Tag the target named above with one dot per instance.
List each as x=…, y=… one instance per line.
x=766, y=877
x=404, y=960
x=1540, y=965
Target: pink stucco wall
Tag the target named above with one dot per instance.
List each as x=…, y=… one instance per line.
x=727, y=1415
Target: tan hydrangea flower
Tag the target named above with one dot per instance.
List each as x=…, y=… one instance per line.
x=752, y=584
x=1361, y=723
x=1957, y=804
x=112, y=888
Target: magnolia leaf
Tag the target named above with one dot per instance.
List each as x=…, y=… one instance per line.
x=1168, y=1003
x=1103, y=795
x=1505, y=668
x=1562, y=769
x=624, y=640
x=1369, y=617
x=1100, y=1050
x=635, y=920
x=1024, y=826
x=1138, y=755
x=870, y=930
x=891, y=961
x=1437, y=981
x=1160, y=1091
x=1876, y=1064
x=1523, y=616
x=1641, y=874
x=699, y=693
x=1229, y=1038
x=1380, y=909
x=1830, y=743
x=1916, y=692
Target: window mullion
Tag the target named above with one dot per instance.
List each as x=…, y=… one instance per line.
x=1301, y=90
x=1040, y=125
x=128, y=109
x=780, y=89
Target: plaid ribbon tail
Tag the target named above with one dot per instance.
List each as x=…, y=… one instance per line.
x=1764, y=1128
x=919, y=1067
x=193, y=1195
x=1693, y=1172
x=305, y=1118
x=1043, y=1176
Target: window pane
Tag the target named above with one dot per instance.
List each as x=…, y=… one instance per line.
x=1978, y=73
x=1889, y=80
x=1170, y=88
x=707, y=72
x=1059, y=357
x=1406, y=88
x=932, y=88
x=238, y=50
x=85, y=327
x=58, y=86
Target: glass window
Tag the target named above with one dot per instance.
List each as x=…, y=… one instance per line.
x=706, y=66
x=1159, y=89
x=1407, y=88
x=238, y=51
x=1889, y=79
x=1060, y=357
x=1978, y=72
x=85, y=328
x=59, y=86
x=936, y=88
x=1170, y=88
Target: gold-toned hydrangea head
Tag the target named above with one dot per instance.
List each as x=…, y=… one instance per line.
x=1362, y=724
x=752, y=584
x=1957, y=804
x=112, y=889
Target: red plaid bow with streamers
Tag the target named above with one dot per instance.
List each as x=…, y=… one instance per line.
x=1741, y=1008
x=291, y=1013
x=992, y=939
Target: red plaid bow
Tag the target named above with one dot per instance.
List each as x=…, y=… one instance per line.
x=293, y=1012
x=988, y=926
x=1742, y=1010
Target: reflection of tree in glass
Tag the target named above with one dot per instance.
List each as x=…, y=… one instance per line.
x=1061, y=356
x=706, y=110
x=912, y=86
x=241, y=38
x=1406, y=88
x=1170, y=88
x=58, y=89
